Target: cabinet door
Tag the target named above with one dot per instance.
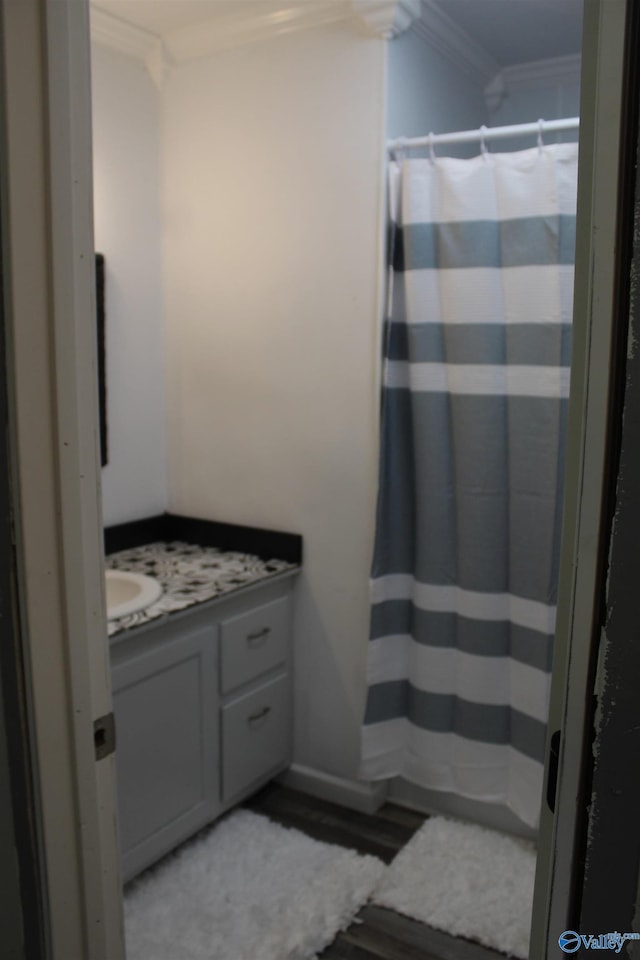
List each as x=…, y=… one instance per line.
x=166, y=745
x=256, y=737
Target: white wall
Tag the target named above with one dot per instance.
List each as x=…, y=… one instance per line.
x=553, y=96
x=273, y=186
x=128, y=231
x=426, y=93
x=551, y=101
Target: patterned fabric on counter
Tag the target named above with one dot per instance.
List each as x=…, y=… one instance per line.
x=189, y=574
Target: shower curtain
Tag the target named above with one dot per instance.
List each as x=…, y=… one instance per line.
x=474, y=404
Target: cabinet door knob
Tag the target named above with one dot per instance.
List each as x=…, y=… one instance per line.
x=257, y=717
x=255, y=639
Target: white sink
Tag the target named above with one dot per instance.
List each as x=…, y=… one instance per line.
x=129, y=592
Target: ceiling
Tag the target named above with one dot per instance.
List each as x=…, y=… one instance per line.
x=163, y=17
x=509, y=31
x=519, y=31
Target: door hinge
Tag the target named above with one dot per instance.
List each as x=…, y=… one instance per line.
x=104, y=736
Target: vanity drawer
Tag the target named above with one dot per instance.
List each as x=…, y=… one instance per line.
x=255, y=736
x=252, y=643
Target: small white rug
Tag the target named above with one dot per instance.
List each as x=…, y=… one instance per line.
x=466, y=880
x=248, y=889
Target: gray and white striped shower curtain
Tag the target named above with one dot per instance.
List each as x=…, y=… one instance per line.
x=476, y=384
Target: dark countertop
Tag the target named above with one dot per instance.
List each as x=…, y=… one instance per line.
x=165, y=527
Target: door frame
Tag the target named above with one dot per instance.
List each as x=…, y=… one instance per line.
x=49, y=309
x=599, y=341
x=49, y=306
x=22, y=905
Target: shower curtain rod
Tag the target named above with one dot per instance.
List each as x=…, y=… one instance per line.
x=539, y=127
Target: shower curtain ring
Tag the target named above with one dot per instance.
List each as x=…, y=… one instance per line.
x=432, y=153
x=540, y=129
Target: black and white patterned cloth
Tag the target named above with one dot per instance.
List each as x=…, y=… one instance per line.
x=189, y=574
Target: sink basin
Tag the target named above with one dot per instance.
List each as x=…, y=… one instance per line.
x=129, y=592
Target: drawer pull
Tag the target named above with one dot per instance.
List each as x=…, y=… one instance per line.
x=255, y=639
x=257, y=717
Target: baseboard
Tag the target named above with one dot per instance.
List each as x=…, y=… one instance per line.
x=364, y=797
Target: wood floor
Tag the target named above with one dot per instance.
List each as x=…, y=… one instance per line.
x=376, y=933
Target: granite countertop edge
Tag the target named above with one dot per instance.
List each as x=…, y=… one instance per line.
x=202, y=606
x=264, y=545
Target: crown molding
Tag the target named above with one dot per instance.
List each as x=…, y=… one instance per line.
x=495, y=93
x=158, y=64
x=530, y=76
x=387, y=18
x=543, y=73
x=199, y=40
x=116, y=34
x=442, y=33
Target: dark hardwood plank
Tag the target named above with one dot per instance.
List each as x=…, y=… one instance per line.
x=384, y=946
x=341, y=949
x=368, y=833
x=433, y=943
x=330, y=833
x=277, y=796
x=410, y=819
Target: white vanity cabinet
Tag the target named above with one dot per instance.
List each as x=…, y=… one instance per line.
x=202, y=706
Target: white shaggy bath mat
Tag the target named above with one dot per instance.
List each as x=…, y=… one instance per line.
x=466, y=880
x=248, y=889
